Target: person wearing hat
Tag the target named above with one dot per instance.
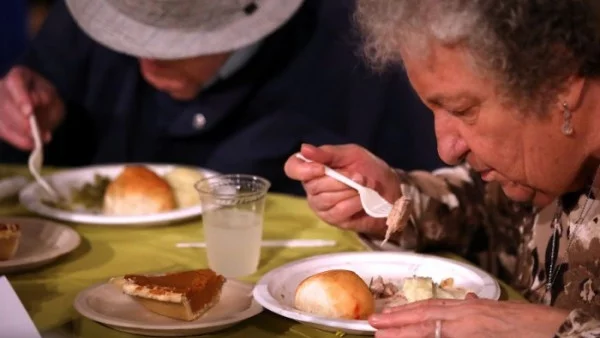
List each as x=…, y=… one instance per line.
x=230, y=85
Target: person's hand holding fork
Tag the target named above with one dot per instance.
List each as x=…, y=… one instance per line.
x=335, y=202
x=24, y=92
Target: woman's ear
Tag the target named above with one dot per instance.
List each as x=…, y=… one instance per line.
x=572, y=93
x=570, y=100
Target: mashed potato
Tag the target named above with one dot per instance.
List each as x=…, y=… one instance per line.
x=182, y=181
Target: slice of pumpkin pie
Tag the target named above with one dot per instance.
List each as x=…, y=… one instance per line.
x=10, y=235
x=183, y=295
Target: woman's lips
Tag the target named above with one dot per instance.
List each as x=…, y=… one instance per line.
x=487, y=175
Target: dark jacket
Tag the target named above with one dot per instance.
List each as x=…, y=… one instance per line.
x=306, y=83
x=13, y=32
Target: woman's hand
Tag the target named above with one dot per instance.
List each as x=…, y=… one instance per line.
x=469, y=318
x=334, y=202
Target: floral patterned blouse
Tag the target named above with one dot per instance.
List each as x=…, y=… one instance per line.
x=454, y=210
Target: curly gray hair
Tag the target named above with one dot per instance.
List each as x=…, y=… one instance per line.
x=530, y=47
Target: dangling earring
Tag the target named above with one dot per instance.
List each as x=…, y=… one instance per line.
x=567, y=128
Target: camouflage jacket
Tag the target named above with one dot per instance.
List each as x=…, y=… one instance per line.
x=455, y=211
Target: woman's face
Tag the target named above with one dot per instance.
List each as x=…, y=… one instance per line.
x=528, y=156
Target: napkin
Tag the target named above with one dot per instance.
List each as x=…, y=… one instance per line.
x=14, y=320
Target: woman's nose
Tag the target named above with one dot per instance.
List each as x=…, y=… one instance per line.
x=452, y=147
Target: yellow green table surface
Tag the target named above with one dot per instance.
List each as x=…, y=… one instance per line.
x=48, y=292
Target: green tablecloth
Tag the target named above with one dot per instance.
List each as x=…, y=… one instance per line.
x=48, y=292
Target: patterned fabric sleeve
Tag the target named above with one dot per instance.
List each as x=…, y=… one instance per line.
x=448, y=209
x=454, y=210
x=579, y=324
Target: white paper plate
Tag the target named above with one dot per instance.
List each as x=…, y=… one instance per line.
x=41, y=243
x=63, y=181
x=276, y=290
x=106, y=304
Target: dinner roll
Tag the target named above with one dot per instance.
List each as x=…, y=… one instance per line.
x=138, y=191
x=335, y=294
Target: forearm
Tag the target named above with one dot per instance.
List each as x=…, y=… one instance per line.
x=579, y=324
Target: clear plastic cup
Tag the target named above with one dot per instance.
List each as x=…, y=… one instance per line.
x=232, y=212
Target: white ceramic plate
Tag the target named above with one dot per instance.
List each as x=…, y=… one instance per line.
x=106, y=304
x=63, y=181
x=41, y=243
x=275, y=291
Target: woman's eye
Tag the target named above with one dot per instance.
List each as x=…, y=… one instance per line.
x=463, y=112
x=459, y=112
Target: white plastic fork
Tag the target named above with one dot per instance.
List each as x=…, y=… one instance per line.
x=373, y=204
x=36, y=159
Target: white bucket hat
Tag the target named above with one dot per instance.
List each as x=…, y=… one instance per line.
x=175, y=29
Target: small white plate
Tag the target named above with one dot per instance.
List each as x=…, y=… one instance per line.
x=41, y=243
x=11, y=186
x=106, y=304
x=276, y=290
x=64, y=181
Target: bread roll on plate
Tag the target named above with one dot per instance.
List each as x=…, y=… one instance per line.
x=138, y=191
x=339, y=294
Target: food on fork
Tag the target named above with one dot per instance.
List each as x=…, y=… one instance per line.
x=10, y=235
x=183, y=295
x=138, y=191
x=398, y=217
x=183, y=180
x=335, y=294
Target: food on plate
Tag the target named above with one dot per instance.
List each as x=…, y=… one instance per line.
x=138, y=191
x=183, y=295
x=398, y=217
x=182, y=180
x=335, y=294
x=10, y=236
x=91, y=194
x=415, y=289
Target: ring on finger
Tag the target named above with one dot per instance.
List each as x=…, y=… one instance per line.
x=438, y=328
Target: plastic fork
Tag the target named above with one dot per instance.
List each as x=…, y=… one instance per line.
x=373, y=204
x=36, y=159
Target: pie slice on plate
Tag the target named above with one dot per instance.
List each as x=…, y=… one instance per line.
x=183, y=295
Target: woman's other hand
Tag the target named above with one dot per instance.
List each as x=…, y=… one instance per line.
x=469, y=318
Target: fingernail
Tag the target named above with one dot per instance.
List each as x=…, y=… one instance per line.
x=26, y=109
x=306, y=146
x=471, y=295
x=358, y=178
x=375, y=318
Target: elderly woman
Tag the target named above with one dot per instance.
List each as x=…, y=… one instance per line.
x=515, y=90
